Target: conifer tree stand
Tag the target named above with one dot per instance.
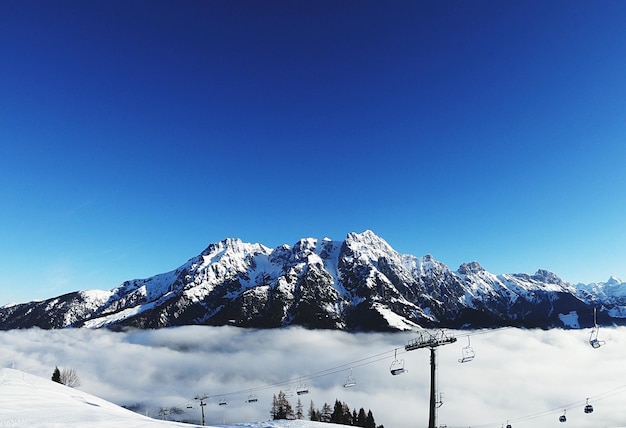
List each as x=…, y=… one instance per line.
x=432, y=341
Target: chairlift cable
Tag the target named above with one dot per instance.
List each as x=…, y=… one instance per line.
x=385, y=355
x=581, y=403
x=327, y=372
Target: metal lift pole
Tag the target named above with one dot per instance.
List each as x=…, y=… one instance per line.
x=202, y=404
x=432, y=341
x=432, y=415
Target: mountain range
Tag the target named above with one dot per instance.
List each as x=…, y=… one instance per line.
x=358, y=284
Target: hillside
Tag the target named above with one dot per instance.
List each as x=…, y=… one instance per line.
x=31, y=401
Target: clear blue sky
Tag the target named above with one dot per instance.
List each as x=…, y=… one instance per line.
x=135, y=133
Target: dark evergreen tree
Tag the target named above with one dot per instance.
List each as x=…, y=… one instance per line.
x=56, y=375
x=347, y=415
x=336, y=416
x=281, y=409
x=340, y=414
x=369, y=420
x=313, y=413
x=360, y=421
x=289, y=413
x=274, y=409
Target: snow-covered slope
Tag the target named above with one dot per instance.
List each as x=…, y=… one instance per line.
x=30, y=401
x=34, y=402
x=360, y=283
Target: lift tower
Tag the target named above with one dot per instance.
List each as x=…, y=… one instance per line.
x=432, y=341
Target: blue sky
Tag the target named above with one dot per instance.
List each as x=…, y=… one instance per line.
x=135, y=133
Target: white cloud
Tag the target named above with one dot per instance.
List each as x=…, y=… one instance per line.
x=517, y=375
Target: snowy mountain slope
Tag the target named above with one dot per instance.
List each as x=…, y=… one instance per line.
x=612, y=291
x=34, y=402
x=360, y=283
x=30, y=401
x=611, y=295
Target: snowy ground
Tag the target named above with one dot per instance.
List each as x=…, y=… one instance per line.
x=31, y=401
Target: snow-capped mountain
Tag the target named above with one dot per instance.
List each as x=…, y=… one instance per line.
x=360, y=283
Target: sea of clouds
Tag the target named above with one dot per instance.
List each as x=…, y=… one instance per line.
x=526, y=377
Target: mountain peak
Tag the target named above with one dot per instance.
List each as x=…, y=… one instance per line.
x=471, y=267
x=613, y=280
x=233, y=245
x=222, y=245
x=367, y=237
x=368, y=243
x=547, y=277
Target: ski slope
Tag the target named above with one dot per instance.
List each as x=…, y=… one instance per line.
x=31, y=401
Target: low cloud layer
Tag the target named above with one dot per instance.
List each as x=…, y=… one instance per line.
x=526, y=377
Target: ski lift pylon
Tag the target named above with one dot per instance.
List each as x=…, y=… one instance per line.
x=467, y=353
x=397, y=366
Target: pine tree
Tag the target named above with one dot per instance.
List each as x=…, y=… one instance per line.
x=347, y=415
x=313, y=413
x=289, y=413
x=299, y=410
x=56, y=375
x=325, y=413
x=360, y=421
x=281, y=409
x=369, y=420
x=274, y=410
x=341, y=414
x=336, y=416
x=280, y=403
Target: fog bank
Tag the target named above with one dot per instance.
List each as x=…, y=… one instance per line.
x=527, y=377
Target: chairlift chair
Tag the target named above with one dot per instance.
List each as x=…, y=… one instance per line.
x=467, y=353
x=593, y=337
x=562, y=418
x=588, y=407
x=302, y=389
x=223, y=402
x=350, y=381
x=397, y=366
x=252, y=398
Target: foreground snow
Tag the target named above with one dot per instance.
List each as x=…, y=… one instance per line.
x=35, y=402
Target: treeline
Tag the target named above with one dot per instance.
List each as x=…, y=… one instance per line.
x=339, y=414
